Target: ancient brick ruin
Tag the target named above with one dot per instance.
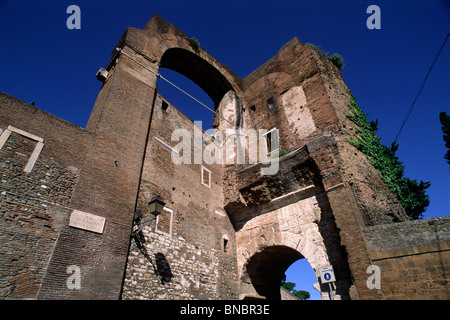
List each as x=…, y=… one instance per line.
x=227, y=230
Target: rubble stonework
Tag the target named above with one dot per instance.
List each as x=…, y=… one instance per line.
x=228, y=230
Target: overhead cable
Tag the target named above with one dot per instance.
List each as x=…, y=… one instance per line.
x=421, y=87
x=172, y=84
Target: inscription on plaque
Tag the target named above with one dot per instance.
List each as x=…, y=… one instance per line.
x=87, y=221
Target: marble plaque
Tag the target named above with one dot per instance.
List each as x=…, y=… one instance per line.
x=87, y=221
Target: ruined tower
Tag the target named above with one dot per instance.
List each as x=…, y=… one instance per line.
x=228, y=230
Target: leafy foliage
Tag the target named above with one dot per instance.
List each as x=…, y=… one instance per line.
x=410, y=193
x=445, y=122
x=318, y=48
x=283, y=152
x=335, y=58
x=301, y=294
x=194, y=43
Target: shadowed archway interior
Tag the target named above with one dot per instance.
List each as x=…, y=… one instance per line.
x=266, y=269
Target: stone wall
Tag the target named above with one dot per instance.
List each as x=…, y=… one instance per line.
x=376, y=203
x=300, y=108
x=107, y=187
x=174, y=270
x=221, y=224
x=309, y=98
x=286, y=295
x=33, y=205
x=269, y=243
x=193, y=237
x=413, y=257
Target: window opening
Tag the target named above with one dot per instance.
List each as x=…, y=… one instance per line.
x=271, y=102
x=225, y=244
x=164, y=105
x=206, y=177
x=272, y=141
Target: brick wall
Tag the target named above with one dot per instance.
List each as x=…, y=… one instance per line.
x=301, y=110
x=107, y=187
x=33, y=205
x=196, y=260
x=311, y=99
x=376, y=203
x=123, y=158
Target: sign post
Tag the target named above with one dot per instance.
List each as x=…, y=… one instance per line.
x=327, y=276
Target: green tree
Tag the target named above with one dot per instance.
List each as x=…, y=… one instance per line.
x=410, y=193
x=301, y=294
x=445, y=122
x=289, y=286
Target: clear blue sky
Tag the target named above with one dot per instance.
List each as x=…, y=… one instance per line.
x=43, y=61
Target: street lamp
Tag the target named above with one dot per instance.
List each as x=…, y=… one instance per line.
x=156, y=206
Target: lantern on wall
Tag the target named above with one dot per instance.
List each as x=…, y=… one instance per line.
x=156, y=205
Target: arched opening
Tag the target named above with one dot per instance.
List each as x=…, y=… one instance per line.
x=198, y=70
x=189, y=107
x=198, y=78
x=266, y=269
x=302, y=274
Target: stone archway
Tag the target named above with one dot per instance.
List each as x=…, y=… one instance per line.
x=269, y=243
x=265, y=269
x=162, y=45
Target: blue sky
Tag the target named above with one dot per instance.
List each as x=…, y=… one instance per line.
x=42, y=60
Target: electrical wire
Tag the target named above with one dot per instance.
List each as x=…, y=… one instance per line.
x=421, y=87
x=172, y=84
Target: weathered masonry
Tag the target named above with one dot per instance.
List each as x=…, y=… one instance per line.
x=68, y=195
